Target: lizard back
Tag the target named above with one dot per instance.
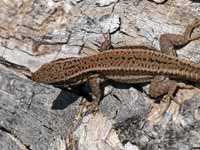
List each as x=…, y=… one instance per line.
x=116, y=63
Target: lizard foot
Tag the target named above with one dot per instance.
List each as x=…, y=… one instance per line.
x=158, y=111
x=169, y=107
x=106, y=44
x=89, y=107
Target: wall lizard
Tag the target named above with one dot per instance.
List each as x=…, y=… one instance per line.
x=126, y=65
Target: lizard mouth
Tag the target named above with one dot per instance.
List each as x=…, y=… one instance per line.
x=34, y=77
x=40, y=76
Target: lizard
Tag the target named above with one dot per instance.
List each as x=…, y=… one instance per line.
x=130, y=65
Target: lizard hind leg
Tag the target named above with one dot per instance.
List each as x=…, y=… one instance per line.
x=168, y=42
x=188, y=31
x=162, y=86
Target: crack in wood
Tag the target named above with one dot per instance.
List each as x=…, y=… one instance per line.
x=14, y=138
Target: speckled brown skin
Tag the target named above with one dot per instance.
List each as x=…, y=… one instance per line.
x=119, y=65
x=126, y=65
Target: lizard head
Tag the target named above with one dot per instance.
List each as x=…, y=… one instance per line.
x=41, y=75
x=49, y=73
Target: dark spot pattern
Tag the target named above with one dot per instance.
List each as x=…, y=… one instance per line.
x=118, y=62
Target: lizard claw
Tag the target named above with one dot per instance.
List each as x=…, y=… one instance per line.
x=89, y=107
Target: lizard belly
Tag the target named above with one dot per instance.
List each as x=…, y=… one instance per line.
x=130, y=78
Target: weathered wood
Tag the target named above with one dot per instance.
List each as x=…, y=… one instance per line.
x=35, y=32
x=30, y=117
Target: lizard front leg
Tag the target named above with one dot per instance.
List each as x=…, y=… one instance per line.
x=102, y=46
x=96, y=93
x=106, y=44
